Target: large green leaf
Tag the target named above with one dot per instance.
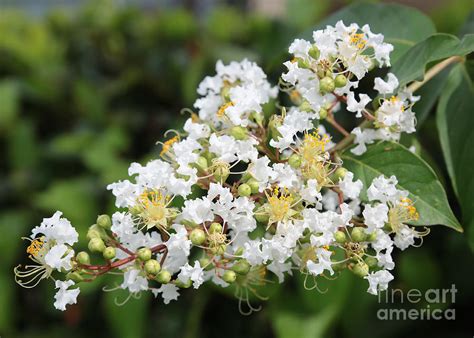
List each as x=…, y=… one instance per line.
x=414, y=175
x=402, y=26
x=411, y=66
x=455, y=120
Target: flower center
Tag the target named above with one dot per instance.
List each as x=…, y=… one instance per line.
x=280, y=204
x=403, y=212
x=154, y=208
x=357, y=40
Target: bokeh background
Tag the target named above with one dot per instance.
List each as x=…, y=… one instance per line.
x=88, y=87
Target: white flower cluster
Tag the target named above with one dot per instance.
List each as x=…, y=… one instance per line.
x=240, y=193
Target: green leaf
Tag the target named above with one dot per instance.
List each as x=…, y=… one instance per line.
x=412, y=65
x=455, y=119
x=9, y=103
x=402, y=26
x=414, y=175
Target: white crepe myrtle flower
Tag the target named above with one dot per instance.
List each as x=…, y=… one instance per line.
x=378, y=281
x=242, y=197
x=65, y=296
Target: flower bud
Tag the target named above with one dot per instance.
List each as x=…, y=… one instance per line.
x=96, y=245
x=358, y=234
x=242, y=267
x=144, y=254
x=340, y=81
x=371, y=261
x=219, y=249
x=314, y=52
x=305, y=106
x=294, y=161
x=323, y=113
x=201, y=163
x=302, y=63
x=83, y=258
x=254, y=186
x=215, y=228
x=109, y=252
x=371, y=237
x=360, y=269
x=206, y=263
x=239, y=251
x=239, y=133
x=75, y=276
x=96, y=231
x=326, y=85
x=183, y=285
x=340, y=237
x=197, y=236
x=229, y=276
x=340, y=173
x=262, y=217
x=152, y=267
x=163, y=277
x=104, y=221
x=244, y=190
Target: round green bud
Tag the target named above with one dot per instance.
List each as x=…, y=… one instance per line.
x=371, y=261
x=323, y=113
x=183, y=285
x=326, y=85
x=340, y=237
x=201, y=163
x=206, y=263
x=163, y=277
x=197, y=236
x=144, y=254
x=340, y=81
x=109, y=252
x=75, y=276
x=302, y=63
x=305, y=106
x=314, y=52
x=135, y=210
x=242, y=267
x=244, y=190
x=104, y=221
x=229, y=276
x=95, y=231
x=239, y=133
x=152, y=267
x=294, y=161
x=254, y=186
x=96, y=244
x=360, y=269
x=218, y=250
x=262, y=217
x=83, y=258
x=340, y=173
x=358, y=234
x=215, y=228
x=371, y=237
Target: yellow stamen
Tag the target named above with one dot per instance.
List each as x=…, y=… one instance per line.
x=280, y=204
x=221, y=111
x=167, y=145
x=357, y=39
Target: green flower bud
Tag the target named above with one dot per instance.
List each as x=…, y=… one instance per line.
x=360, y=269
x=314, y=52
x=323, y=113
x=358, y=234
x=197, y=236
x=75, y=276
x=294, y=161
x=206, y=263
x=254, y=186
x=201, y=163
x=215, y=228
x=163, y=277
x=340, y=237
x=96, y=231
x=104, y=221
x=239, y=133
x=340, y=81
x=136, y=210
x=83, y=258
x=242, y=267
x=371, y=261
x=218, y=250
x=262, y=217
x=183, y=285
x=229, y=276
x=305, y=106
x=96, y=245
x=144, y=254
x=302, y=63
x=340, y=173
x=244, y=190
x=326, y=85
x=371, y=237
x=152, y=267
x=109, y=252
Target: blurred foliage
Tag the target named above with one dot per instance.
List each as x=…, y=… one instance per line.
x=82, y=94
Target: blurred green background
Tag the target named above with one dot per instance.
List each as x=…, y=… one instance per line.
x=87, y=88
